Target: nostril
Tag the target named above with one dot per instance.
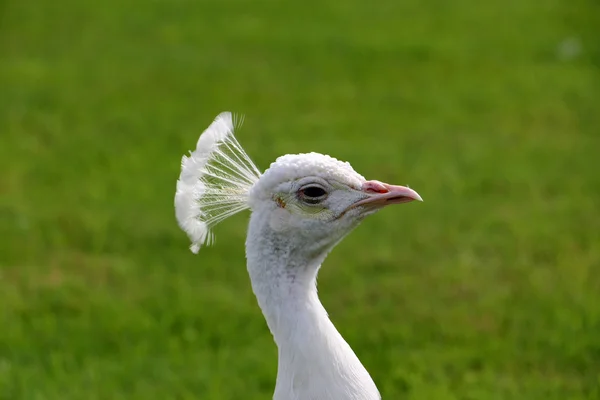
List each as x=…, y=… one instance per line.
x=375, y=187
x=371, y=190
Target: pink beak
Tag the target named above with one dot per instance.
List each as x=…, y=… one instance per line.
x=382, y=194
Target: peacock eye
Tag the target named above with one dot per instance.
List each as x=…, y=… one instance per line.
x=312, y=194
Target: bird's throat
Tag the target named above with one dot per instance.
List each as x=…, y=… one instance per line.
x=315, y=362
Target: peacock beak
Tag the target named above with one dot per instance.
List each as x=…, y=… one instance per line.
x=381, y=194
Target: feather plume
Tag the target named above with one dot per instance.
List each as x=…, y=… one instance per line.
x=214, y=182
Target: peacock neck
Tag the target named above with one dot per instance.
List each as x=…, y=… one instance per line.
x=315, y=362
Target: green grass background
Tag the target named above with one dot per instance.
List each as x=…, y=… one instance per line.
x=489, y=290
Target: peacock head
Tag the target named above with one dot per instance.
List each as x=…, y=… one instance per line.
x=320, y=197
x=308, y=195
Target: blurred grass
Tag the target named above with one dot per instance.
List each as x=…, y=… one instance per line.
x=490, y=289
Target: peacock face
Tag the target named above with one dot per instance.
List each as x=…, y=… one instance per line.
x=317, y=196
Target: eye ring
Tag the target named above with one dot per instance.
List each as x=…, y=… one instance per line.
x=312, y=194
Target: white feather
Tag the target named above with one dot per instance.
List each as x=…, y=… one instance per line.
x=214, y=182
x=285, y=247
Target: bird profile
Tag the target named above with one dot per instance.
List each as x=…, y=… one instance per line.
x=301, y=207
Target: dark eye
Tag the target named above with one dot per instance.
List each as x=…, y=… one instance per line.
x=312, y=194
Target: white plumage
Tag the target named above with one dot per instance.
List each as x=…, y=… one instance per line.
x=301, y=207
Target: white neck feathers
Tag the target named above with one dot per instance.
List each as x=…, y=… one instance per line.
x=315, y=362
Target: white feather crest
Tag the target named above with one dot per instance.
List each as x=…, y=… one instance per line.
x=214, y=182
